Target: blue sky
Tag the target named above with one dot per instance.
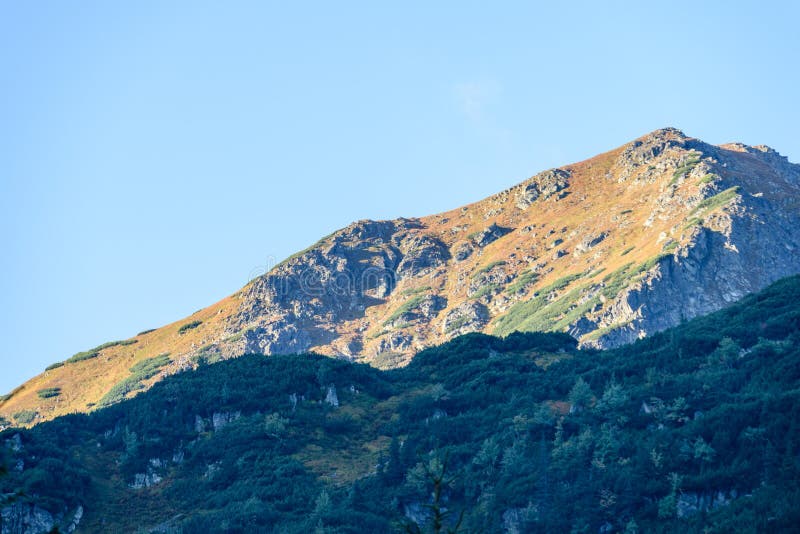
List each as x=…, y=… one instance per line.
x=156, y=155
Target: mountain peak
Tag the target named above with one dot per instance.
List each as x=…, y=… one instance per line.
x=667, y=132
x=609, y=250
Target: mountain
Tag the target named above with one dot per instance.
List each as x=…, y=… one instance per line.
x=609, y=250
x=695, y=429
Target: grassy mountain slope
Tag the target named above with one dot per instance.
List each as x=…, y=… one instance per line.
x=614, y=248
x=693, y=429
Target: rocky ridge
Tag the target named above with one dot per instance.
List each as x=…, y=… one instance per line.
x=611, y=249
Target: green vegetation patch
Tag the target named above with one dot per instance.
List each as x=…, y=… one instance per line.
x=110, y=344
x=621, y=278
x=652, y=262
x=81, y=356
x=523, y=316
x=670, y=247
x=489, y=267
x=541, y=313
x=119, y=391
x=717, y=201
x=562, y=312
x=710, y=204
x=54, y=366
x=189, y=326
x=456, y=324
x=562, y=282
x=48, y=393
x=615, y=281
x=143, y=332
x=25, y=417
x=415, y=290
x=140, y=371
x=95, y=352
x=692, y=221
x=235, y=338
x=405, y=307
x=524, y=279
x=150, y=367
x=627, y=251
x=595, y=272
x=486, y=289
x=686, y=168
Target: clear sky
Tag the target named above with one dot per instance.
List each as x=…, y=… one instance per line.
x=156, y=155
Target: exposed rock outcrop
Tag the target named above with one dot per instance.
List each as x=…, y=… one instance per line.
x=545, y=185
x=29, y=518
x=690, y=503
x=465, y=318
x=331, y=397
x=490, y=235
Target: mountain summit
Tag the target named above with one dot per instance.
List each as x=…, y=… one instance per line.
x=611, y=249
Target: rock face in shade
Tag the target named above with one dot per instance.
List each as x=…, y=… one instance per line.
x=611, y=249
x=28, y=518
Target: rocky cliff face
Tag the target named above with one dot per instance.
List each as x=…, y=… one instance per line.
x=659, y=231
x=19, y=518
x=611, y=249
x=26, y=518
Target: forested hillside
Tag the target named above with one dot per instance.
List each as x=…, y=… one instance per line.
x=695, y=429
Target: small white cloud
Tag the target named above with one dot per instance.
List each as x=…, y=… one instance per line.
x=473, y=98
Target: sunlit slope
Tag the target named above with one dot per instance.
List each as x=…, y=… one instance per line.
x=611, y=249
